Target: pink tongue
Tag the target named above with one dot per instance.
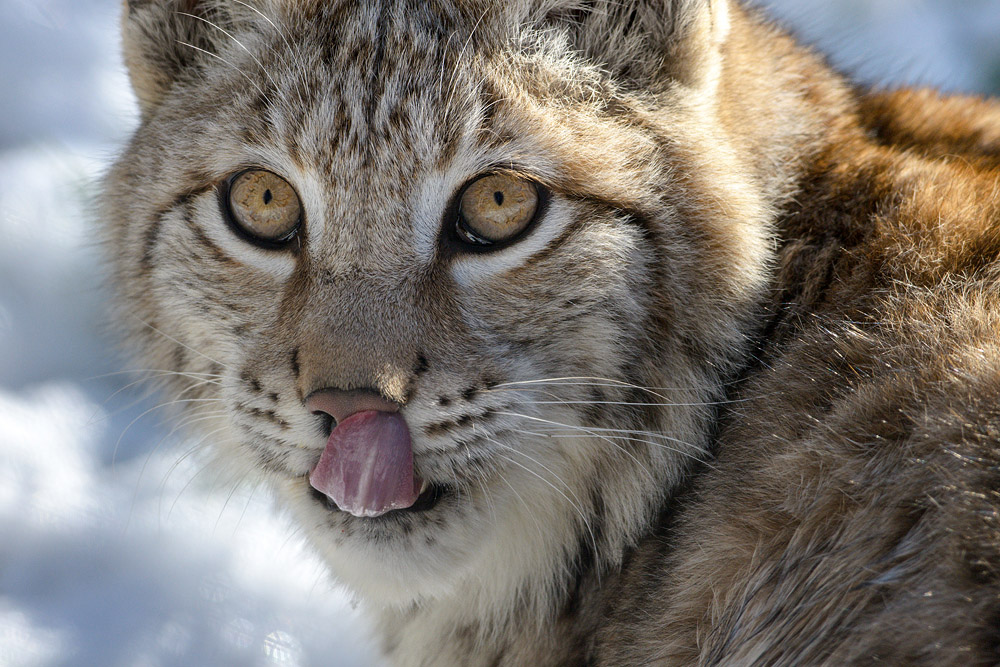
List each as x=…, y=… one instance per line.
x=367, y=466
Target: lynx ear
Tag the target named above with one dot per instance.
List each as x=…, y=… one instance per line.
x=650, y=42
x=165, y=40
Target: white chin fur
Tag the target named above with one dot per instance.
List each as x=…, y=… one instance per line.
x=396, y=574
x=487, y=550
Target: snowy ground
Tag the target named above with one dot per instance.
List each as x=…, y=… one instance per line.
x=115, y=548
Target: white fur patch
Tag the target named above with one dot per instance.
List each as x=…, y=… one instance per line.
x=279, y=264
x=473, y=268
x=432, y=201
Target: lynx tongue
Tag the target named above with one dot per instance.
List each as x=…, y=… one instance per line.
x=367, y=466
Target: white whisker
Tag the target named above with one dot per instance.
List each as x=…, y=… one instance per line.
x=591, y=433
x=235, y=487
x=597, y=433
x=278, y=30
x=454, y=77
x=250, y=496
x=242, y=73
x=185, y=346
x=586, y=381
x=177, y=463
x=575, y=503
x=145, y=464
x=183, y=424
x=162, y=405
x=481, y=479
x=700, y=404
x=155, y=371
x=534, y=519
x=137, y=401
x=240, y=44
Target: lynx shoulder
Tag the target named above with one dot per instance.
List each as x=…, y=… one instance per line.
x=580, y=333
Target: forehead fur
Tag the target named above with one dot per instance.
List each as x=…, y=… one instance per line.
x=395, y=88
x=635, y=42
x=373, y=96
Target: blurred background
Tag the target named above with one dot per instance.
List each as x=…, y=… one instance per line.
x=116, y=547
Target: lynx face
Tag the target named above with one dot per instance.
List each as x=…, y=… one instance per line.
x=463, y=300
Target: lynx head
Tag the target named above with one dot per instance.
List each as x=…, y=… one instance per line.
x=462, y=279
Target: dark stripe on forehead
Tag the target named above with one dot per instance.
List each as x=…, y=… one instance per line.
x=256, y=128
x=375, y=75
x=362, y=48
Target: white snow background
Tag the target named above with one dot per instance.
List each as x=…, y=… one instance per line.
x=114, y=548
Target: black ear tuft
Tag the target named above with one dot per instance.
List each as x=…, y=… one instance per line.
x=648, y=42
x=163, y=41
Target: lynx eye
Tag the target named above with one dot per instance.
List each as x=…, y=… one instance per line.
x=263, y=207
x=496, y=208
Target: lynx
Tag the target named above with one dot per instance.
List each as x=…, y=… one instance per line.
x=607, y=332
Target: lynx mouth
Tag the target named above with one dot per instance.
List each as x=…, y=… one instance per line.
x=426, y=501
x=366, y=467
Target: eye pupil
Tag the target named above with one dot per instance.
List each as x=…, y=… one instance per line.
x=268, y=197
x=498, y=198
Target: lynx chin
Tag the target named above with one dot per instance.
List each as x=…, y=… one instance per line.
x=605, y=332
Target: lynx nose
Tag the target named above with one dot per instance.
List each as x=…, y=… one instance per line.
x=341, y=404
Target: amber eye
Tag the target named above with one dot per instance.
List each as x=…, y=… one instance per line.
x=263, y=207
x=496, y=208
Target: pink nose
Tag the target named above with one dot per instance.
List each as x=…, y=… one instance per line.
x=341, y=404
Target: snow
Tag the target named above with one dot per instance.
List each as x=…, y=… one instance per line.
x=947, y=44
x=118, y=547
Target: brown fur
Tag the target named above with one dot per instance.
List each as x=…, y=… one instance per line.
x=852, y=512
x=811, y=269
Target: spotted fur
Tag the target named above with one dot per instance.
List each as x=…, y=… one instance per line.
x=734, y=399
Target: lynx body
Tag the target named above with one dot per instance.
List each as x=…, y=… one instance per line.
x=580, y=332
